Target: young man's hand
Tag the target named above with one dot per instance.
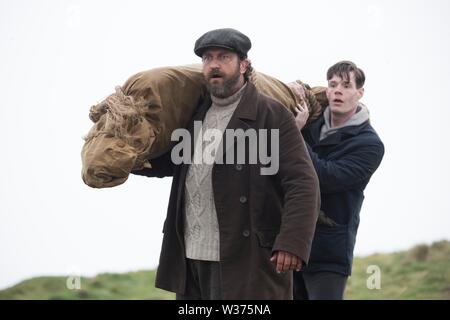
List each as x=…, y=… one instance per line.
x=302, y=115
x=302, y=109
x=298, y=90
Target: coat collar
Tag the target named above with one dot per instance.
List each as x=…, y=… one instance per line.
x=334, y=138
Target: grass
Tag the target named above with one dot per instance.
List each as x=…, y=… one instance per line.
x=422, y=272
x=133, y=286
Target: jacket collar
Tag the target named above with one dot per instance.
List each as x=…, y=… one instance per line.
x=247, y=107
x=334, y=138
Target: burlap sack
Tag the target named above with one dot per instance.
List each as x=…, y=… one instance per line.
x=279, y=91
x=134, y=125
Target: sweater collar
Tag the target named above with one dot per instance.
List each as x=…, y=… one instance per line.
x=223, y=102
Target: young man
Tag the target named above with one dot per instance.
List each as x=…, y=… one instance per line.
x=345, y=151
x=232, y=232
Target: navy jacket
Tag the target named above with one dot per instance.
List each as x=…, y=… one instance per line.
x=344, y=162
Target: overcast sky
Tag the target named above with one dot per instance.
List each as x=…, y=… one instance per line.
x=57, y=58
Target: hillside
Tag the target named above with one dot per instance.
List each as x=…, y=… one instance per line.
x=422, y=272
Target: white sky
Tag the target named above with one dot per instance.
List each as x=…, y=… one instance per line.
x=57, y=58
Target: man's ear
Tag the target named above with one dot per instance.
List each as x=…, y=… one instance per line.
x=361, y=92
x=243, y=65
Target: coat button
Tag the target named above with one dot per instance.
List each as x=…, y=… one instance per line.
x=243, y=199
x=239, y=167
x=246, y=233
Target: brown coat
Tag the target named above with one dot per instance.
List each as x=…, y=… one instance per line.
x=257, y=214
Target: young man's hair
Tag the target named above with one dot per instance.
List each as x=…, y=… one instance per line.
x=342, y=69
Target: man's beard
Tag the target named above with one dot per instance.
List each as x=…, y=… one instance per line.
x=227, y=88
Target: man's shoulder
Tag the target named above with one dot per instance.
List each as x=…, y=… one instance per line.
x=369, y=134
x=366, y=138
x=271, y=107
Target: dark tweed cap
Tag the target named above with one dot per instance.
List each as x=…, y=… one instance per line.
x=223, y=38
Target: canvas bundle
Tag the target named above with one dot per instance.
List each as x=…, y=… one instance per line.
x=134, y=124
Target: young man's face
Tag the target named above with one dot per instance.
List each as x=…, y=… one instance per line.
x=223, y=72
x=342, y=94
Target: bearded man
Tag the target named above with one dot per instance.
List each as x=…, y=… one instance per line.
x=233, y=232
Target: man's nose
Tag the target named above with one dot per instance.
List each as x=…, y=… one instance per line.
x=337, y=90
x=214, y=64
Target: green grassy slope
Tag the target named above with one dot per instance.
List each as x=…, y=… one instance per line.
x=422, y=272
x=132, y=285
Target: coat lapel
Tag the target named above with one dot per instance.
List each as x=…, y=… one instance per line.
x=313, y=130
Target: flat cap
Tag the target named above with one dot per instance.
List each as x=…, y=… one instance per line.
x=227, y=38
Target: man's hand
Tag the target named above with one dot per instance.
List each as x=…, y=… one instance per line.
x=298, y=90
x=302, y=109
x=302, y=115
x=286, y=261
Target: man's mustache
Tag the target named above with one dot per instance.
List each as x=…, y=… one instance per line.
x=215, y=73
